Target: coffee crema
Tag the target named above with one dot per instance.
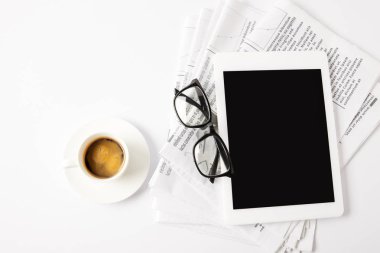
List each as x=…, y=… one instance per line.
x=104, y=158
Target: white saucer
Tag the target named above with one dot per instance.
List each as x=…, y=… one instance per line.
x=122, y=187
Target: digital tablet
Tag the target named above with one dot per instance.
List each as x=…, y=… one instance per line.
x=275, y=114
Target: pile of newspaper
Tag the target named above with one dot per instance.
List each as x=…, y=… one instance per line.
x=182, y=197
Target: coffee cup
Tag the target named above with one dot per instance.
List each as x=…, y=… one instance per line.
x=102, y=157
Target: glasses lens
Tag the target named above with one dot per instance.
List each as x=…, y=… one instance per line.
x=208, y=155
x=192, y=107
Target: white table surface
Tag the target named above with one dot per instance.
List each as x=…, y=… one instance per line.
x=63, y=62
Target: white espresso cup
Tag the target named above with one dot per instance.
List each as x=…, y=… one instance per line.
x=80, y=162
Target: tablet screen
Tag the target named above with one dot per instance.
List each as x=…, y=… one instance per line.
x=278, y=138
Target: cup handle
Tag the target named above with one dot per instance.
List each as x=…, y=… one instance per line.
x=67, y=163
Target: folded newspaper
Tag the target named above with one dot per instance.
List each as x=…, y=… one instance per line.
x=180, y=194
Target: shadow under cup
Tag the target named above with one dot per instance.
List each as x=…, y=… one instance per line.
x=103, y=157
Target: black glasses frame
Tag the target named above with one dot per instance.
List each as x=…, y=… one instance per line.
x=205, y=107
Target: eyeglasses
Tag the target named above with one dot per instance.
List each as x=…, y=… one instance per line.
x=193, y=111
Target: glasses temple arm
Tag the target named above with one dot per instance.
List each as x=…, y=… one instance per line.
x=214, y=166
x=224, y=155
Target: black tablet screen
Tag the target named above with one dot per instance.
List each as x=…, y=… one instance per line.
x=277, y=138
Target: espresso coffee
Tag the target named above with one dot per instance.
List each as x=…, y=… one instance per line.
x=103, y=158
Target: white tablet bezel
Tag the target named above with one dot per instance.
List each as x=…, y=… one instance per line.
x=278, y=61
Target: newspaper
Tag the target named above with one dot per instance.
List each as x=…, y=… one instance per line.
x=362, y=126
x=188, y=32
x=193, y=36
x=196, y=47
